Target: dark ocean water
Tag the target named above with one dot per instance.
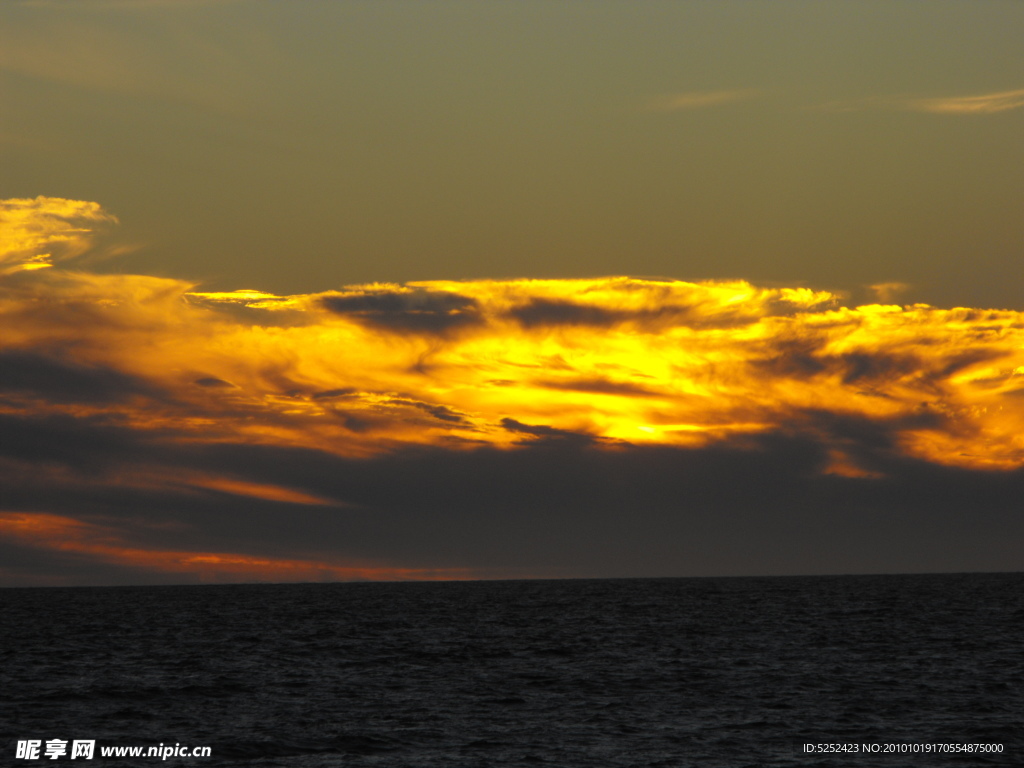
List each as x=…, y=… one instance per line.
x=635, y=672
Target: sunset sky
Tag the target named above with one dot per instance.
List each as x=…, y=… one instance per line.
x=396, y=290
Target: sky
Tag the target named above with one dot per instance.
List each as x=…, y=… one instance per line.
x=321, y=291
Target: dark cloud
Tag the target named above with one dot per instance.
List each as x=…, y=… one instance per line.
x=85, y=443
x=601, y=387
x=766, y=508
x=382, y=408
x=49, y=377
x=353, y=423
x=417, y=310
x=565, y=507
x=545, y=433
x=857, y=366
x=27, y=566
x=212, y=381
x=542, y=312
x=805, y=358
x=873, y=442
x=797, y=363
x=329, y=394
x=442, y=412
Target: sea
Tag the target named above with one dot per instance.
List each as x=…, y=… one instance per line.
x=879, y=670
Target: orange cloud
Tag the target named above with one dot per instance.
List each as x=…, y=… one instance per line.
x=615, y=360
x=260, y=491
x=106, y=545
x=375, y=370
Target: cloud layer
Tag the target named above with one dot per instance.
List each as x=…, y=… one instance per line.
x=973, y=105
x=701, y=99
x=152, y=431
x=980, y=104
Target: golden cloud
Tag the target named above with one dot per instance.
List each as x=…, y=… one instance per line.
x=35, y=232
x=616, y=360
x=607, y=363
x=983, y=104
x=700, y=99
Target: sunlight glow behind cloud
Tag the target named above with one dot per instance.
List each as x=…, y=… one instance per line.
x=608, y=364
x=615, y=360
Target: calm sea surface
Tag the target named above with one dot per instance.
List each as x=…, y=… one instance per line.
x=634, y=672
